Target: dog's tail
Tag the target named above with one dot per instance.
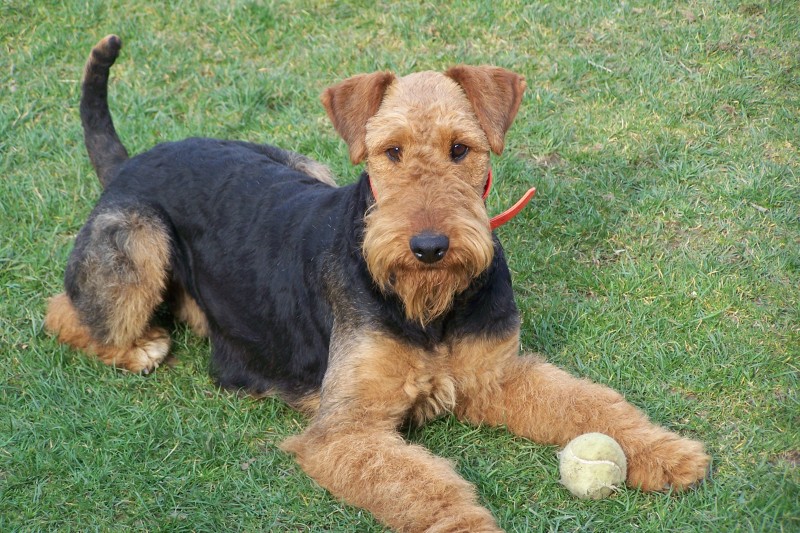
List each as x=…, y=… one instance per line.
x=105, y=149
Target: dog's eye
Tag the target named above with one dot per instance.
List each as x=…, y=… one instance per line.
x=458, y=152
x=394, y=153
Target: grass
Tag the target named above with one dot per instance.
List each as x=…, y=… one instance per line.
x=661, y=255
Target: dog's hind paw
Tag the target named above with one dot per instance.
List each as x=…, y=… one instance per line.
x=147, y=353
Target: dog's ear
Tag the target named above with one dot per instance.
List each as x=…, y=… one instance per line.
x=351, y=103
x=495, y=94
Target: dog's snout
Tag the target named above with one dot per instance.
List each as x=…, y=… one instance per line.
x=429, y=247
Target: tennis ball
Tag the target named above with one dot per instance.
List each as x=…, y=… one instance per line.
x=592, y=466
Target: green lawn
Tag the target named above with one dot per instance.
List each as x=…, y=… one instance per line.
x=661, y=255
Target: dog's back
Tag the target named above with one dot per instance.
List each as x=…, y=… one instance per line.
x=240, y=219
x=206, y=220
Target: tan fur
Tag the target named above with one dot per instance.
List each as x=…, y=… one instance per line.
x=495, y=94
x=372, y=373
x=143, y=354
x=424, y=114
x=308, y=405
x=128, y=272
x=313, y=168
x=352, y=448
x=124, y=274
x=402, y=485
x=185, y=309
x=350, y=103
x=539, y=401
x=427, y=291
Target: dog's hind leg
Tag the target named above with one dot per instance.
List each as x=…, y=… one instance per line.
x=116, y=276
x=185, y=309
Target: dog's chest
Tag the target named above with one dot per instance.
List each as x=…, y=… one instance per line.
x=431, y=391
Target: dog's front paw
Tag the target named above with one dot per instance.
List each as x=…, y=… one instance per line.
x=669, y=462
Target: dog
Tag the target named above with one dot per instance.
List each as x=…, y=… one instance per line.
x=366, y=306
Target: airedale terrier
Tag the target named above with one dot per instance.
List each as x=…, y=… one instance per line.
x=365, y=306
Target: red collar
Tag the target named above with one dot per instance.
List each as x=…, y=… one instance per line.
x=497, y=220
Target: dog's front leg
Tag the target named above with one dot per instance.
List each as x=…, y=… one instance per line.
x=402, y=485
x=539, y=401
x=352, y=447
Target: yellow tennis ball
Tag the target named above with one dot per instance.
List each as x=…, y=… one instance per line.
x=592, y=466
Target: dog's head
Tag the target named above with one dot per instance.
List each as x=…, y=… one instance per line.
x=426, y=139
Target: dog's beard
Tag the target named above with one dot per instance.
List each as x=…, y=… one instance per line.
x=427, y=291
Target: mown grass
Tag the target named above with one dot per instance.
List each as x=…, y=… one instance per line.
x=661, y=255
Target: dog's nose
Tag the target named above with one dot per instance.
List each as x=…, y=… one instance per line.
x=429, y=247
